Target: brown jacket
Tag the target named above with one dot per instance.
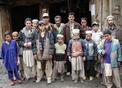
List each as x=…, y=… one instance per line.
x=66, y=31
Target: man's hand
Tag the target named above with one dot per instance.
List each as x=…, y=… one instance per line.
x=35, y=57
x=25, y=45
x=50, y=57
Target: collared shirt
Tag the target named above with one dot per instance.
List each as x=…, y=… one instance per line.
x=107, y=47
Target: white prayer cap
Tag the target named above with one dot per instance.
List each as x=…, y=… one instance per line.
x=41, y=22
x=95, y=23
x=110, y=16
x=60, y=36
x=77, y=31
x=35, y=20
x=45, y=15
x=88, y=32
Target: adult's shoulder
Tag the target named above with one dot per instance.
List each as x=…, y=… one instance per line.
x=77, y=23
x=66, y=24
x=71, y=40
x=115, y=40
x=3, y=43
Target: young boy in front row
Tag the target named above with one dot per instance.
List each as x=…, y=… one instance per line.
x=15, y=36
x=59, y=60
x=111, y=51
x=90, y=52
x=10, y=58
x=75, y=52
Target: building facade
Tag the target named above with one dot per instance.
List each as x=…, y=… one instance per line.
x=13, y=12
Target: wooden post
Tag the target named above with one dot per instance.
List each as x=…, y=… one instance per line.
x=110, y=7
x=4, y=21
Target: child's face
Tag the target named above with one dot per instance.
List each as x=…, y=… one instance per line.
x=15, y=35
x=8, y=38
x=107, y=37
x=76, y=36
x=60, y=40
x=95, y=28
x=88, y=36
x=34, y=25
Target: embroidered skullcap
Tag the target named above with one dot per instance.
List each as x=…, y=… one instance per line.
x=60, y=36
x=75, y=31
x=88, y=32
x=95, y=23
x=35, y=20
x=110, y=16
x=41, y=22
x=45, y=15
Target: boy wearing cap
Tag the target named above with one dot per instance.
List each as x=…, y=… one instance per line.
x=45, y=52
x=35, y=23
x=75, y=53
x=59, y=60
x=96, y=32
x=111, y=51
x=96, y=36
x=15, y=36
x=90, y=52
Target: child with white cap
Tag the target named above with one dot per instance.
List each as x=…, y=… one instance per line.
x=75, y=52
x=59, y=60
x=90, y=52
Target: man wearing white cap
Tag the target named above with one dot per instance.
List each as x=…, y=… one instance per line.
x=75, y=53
x=49, y=26
x=116, y=31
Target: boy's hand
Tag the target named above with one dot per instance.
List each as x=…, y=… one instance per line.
x=103, y=52
x=84, y=58
x=35, y=57
x=18, y=62
x=70, y=58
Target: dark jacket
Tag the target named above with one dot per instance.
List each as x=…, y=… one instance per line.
x=66, y=31
x=32, y=39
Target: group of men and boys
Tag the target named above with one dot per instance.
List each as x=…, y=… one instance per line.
x=45, y=50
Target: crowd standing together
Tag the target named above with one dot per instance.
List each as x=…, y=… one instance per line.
x=42, y=50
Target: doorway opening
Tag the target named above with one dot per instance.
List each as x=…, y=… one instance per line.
x=20, y=13
x=79, y=7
